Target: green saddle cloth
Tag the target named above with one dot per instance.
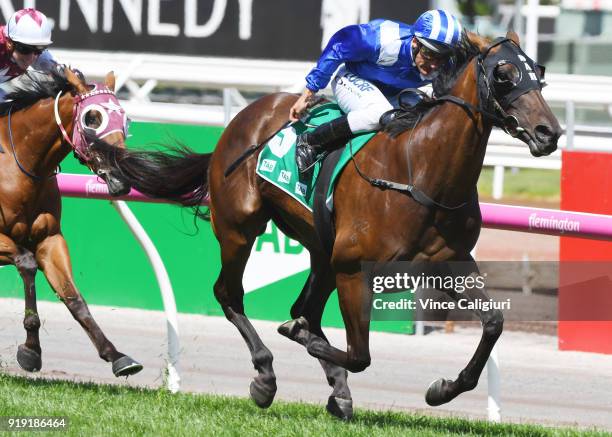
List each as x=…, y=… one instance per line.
x=276, y=163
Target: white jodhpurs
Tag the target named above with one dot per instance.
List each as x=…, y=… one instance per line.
x=360, y=99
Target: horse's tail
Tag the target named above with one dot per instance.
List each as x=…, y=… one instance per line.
x=178, y=174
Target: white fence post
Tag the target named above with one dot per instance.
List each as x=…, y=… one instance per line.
x=498, y=182
x=227, y=106
x=494, y=387
x=531, y=28
x=166, y=291
x=518, y=18
x=493, y=380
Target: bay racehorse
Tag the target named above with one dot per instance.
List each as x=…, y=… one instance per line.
x=426, y=208
x=39, y=125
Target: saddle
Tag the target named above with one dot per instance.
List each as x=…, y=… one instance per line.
x=276, y=164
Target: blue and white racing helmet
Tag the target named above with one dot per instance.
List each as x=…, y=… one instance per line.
x=438, y=30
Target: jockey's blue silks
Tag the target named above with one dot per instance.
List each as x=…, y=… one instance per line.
x=378, y=51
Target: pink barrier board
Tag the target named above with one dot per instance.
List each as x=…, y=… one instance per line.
x=92, y=187
x=516, y=218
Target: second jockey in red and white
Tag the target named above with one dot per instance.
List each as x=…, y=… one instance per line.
x=23, y=48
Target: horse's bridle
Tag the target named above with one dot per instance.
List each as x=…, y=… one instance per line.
x=530, y=78
x=113, y=119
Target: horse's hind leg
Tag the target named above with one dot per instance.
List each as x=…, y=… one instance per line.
x=29, y=353
x=235, y=251
x=443, y=390
x=52, y=256
x=306, y=313
x=352, y=295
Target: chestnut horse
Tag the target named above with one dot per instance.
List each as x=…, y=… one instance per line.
x=437, y=146
x=36, y=128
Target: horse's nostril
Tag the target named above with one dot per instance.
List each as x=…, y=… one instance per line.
x=545, y=134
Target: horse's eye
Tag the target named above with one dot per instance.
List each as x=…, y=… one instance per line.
x=507, y=74
x=93, y=119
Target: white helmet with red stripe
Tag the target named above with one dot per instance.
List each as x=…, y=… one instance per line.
x=29, y=26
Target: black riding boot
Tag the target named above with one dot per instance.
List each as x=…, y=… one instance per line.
x=309, y=145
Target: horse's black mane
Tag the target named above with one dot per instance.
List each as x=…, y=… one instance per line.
x=407, y=117
x=38, y=88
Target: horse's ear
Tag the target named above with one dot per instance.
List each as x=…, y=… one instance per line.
x=109, y=80
x=75, y=81
x=512, y=35
x=477, y=40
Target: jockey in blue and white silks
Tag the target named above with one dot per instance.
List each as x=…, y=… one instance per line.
x=377, y=60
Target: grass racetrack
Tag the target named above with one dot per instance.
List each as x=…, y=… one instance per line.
x=106, y=410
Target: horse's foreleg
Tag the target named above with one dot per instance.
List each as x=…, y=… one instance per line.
x=52, y=256
x=235, y=251
x=306, y=325
x=29, y=353
x=443, y=390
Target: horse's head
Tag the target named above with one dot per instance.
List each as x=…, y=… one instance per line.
x=512, y=85
x=98, y=116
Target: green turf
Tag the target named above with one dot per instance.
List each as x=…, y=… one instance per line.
x=104, y=410
x=524, y=184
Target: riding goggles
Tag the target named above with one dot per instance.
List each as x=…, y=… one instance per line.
x=430, y=55
x=25, y=49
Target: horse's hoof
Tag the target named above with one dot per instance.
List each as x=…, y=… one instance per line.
x=28, y=359
x=262, y=394
x=126, y=366
x=340, y=408
x=291, y=328
x=437, y=392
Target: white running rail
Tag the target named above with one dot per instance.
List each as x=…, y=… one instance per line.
x=173, y=378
